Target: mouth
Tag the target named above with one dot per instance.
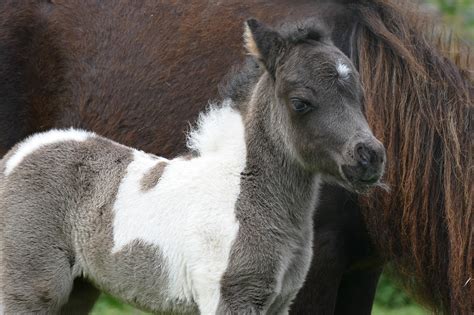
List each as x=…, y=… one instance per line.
x=356, y=186
x=359, y=184
x=370, y=181
x=362, y=188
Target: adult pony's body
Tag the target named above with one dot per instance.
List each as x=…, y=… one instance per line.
x=138, y=73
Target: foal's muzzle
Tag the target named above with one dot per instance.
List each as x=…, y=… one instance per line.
x=368, y=163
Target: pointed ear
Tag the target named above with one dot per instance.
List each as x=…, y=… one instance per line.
x=263, y=43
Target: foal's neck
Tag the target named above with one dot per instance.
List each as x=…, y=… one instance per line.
x=283, y=190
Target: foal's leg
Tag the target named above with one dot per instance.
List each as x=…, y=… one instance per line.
x=37, y=276
x=37, y=287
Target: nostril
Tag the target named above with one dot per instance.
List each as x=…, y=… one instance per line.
x=373, y=156
x=368, y=154
x=363, y=154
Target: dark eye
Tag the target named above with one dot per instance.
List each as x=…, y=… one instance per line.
x=300, y=106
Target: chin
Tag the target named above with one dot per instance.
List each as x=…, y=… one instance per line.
x=364, y=188
x=353, y=186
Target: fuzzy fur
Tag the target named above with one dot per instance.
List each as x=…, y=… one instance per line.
x=39, y=140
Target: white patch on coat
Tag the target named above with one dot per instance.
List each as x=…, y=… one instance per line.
x=190, y=214
x=342, y=69
x=36, y=141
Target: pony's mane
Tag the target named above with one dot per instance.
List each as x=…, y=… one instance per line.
x=238, y=83
x=219, y=128
x=304, y=31
x=419, y=92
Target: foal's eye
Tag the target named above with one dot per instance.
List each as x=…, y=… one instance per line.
x=300, y=106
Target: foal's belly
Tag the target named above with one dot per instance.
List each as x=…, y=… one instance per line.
x=140, y=275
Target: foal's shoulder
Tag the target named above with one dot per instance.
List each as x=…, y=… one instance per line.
x=39, y=140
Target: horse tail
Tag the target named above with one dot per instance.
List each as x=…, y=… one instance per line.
x=29, y=61
x=419, y=93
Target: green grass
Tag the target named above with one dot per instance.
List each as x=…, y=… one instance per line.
x=459, y=15
x=405, y=310
x=392, y=300
x=109, y=306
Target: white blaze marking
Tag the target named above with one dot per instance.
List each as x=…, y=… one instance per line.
x=36, y=141
x=343, y=69
x=190, y=214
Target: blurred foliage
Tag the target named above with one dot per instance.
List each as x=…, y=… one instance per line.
x=457, y=14
x=392, y=300
x=406, y=310
x=389, y=299
x=389, y=295
x=109, y=306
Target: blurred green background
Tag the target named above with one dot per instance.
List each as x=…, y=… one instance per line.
x=390, y=299
x=459, y=14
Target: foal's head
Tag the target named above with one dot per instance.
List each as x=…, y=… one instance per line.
x=314, y=98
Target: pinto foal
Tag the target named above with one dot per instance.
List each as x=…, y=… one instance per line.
x=226, y=229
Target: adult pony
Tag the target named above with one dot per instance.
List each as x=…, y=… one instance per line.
x=115, y=68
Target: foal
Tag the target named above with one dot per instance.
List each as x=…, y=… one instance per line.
x=225, y=229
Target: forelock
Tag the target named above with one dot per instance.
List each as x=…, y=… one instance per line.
x=306, y=31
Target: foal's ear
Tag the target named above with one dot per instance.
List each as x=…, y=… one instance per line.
x=263, y=43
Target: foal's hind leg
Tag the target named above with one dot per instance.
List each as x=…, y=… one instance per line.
x=37, y=279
